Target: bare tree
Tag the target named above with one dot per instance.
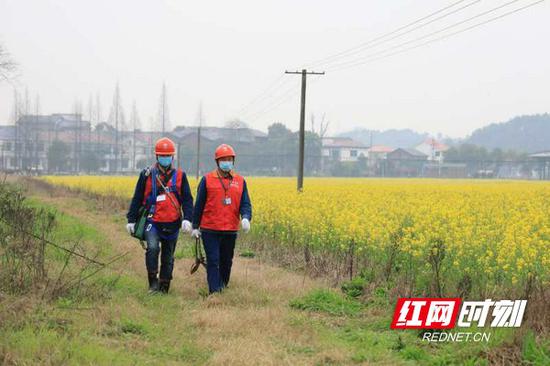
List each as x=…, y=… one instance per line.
x=98, y=119
x=134, y=118
x=17, y=110
x=323, y=126
x=91, y=120
x=35, y=158
x=90, y=110
x=116, y=119
x=163, y=118
x=8, y=66
x=77, y=135
x=98, y=116
x=27, y=104
x=136, y=126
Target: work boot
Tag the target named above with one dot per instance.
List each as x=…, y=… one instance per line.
x=164, y=286
x=153, y=282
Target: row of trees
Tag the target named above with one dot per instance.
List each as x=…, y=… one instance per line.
x=471, y=152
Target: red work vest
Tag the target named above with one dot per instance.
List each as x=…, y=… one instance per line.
x=216, y=215
x=164, y=210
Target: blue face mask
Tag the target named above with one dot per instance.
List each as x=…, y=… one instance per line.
x=226, y=166
x=165, y=161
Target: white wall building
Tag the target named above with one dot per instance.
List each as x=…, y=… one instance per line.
x=342, y=149
x=434, y=149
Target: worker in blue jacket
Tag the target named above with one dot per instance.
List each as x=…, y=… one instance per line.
x=165, y=191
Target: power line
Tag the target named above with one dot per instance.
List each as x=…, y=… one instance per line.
x=270, y=104
x=280, y=100
x=370, y=58
x=383, y=38
x=274, y=85
x=275, y=103
x=430, y=34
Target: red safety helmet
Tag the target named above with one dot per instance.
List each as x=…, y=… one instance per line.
x=224, y=151
x=165, y=146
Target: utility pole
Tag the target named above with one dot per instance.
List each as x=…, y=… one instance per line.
x=36, y=159
x=136, y=125
x=75, y=142
x=117, y=101
x=163, y=110
x=304, y=74
x=199, y=140
x=16, y=114
x=98, y=121
x=90, y=118
x=117, y=120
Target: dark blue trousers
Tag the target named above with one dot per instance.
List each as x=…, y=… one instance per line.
x=219, y=249
x=163, y=245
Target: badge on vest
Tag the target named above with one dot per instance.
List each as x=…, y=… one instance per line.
x=161, y=197
x=226, y=201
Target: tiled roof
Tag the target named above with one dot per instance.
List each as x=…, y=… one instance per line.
x=380, y=149
x=437, y=146
x=342, y=142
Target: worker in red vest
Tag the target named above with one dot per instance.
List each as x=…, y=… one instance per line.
x=222, y=203
x=165, y=192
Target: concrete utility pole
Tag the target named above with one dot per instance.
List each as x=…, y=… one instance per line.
x=304, y=74
x=98, y=120
x=199, y=140
x=163, y=110
x=135, y=126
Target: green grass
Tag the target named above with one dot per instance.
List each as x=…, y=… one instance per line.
x=364, y=331
x=184, y=248
x=536, y=353
x=69, y=230
x=247, y=253
x=327, y=301
x=123, y=325
x=134, y=327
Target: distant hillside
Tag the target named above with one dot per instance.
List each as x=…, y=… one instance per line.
x=524, y=133
x=393, y=138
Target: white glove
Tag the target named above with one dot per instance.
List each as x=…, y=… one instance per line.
x=196, y=233
x=130, y=227
x=186, y=226
x=245, y=224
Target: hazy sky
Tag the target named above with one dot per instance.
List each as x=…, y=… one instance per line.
x=225, y=53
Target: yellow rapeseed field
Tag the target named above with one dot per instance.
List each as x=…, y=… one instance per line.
x=495, y=234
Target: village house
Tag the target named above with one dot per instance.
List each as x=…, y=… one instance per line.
x=342, y=149
x=433, y=149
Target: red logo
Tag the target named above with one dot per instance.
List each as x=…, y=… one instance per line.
x=425, y=313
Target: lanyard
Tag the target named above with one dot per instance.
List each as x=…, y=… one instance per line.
x=164, y=178
x=223, y=185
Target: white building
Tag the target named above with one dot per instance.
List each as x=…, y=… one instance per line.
x=342, y=149
x=434, y=149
